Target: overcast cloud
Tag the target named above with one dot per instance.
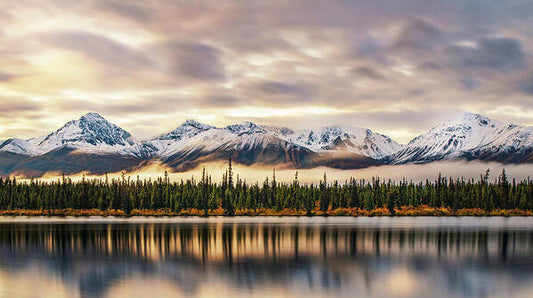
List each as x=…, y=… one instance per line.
x=396, y=67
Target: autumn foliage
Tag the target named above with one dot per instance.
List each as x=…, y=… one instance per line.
x=423, y=210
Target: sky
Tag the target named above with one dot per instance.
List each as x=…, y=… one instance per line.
x=397, y=67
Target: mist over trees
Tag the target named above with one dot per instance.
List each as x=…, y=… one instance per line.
x=234, y=193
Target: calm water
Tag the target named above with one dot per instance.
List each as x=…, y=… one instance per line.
x=267, y=257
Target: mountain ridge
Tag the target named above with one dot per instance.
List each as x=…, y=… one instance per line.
x=468, y=137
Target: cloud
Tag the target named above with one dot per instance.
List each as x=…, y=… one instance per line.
x=195, y=60
x=17, y=106
x=372, y=50
x=5, y=76
x=284, y=94
x=275, y=88
x=219, y=101
x=130, y=9
x=392, y=66
x=100, y=48
x=367, y=72
x=495, y=53
x=145, y=105
x=526, y=84
x=418, y=36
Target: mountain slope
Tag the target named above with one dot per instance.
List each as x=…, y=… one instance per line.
x=247, y=143
x=91, y=133
x=356, y=140
x=18, y=146
x=90, y=144
x=94, y=145
x=469, y=136
x=159, y=146
x=65, y=160
x=9, y=160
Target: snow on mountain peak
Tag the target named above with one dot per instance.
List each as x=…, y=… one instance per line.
x=466, y=135
x=278, y=131
x=196, y=124
x=245, y=127
x=90, y=129
x=93, y=133
x=469, y=119
x=352, y=139
x=92, y=117
x=90, y=133
x=469, y=135
x=187, y=129
x=159, y=145
x=16, y=146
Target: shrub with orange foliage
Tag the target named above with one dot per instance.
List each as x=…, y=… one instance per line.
x=471, y=212
x=422, y=210
x=511, y=212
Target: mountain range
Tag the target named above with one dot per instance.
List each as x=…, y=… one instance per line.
x=92, y=144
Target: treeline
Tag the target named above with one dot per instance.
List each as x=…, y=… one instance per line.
x=231, y=194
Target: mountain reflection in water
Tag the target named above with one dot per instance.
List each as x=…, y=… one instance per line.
x=280, y=257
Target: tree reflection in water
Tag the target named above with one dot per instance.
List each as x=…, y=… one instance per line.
x=232, y=258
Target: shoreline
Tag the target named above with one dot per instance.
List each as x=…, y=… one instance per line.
x=343, y=212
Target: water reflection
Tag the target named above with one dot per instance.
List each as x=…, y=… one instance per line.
x=221, y=258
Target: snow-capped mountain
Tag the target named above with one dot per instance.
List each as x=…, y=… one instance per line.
x=346, y=139
x=195, y=139
x=238, y=136
x=91, y=133
x=101, y=147
x=209, y=138
x=246, y=127
x=246, y=143
x=158, y=146
x=188, y=129
x=19, y=146
x=469, y=136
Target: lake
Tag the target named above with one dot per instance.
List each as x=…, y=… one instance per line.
x=267, y=257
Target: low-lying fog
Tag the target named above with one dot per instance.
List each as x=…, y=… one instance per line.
x=415, y=172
